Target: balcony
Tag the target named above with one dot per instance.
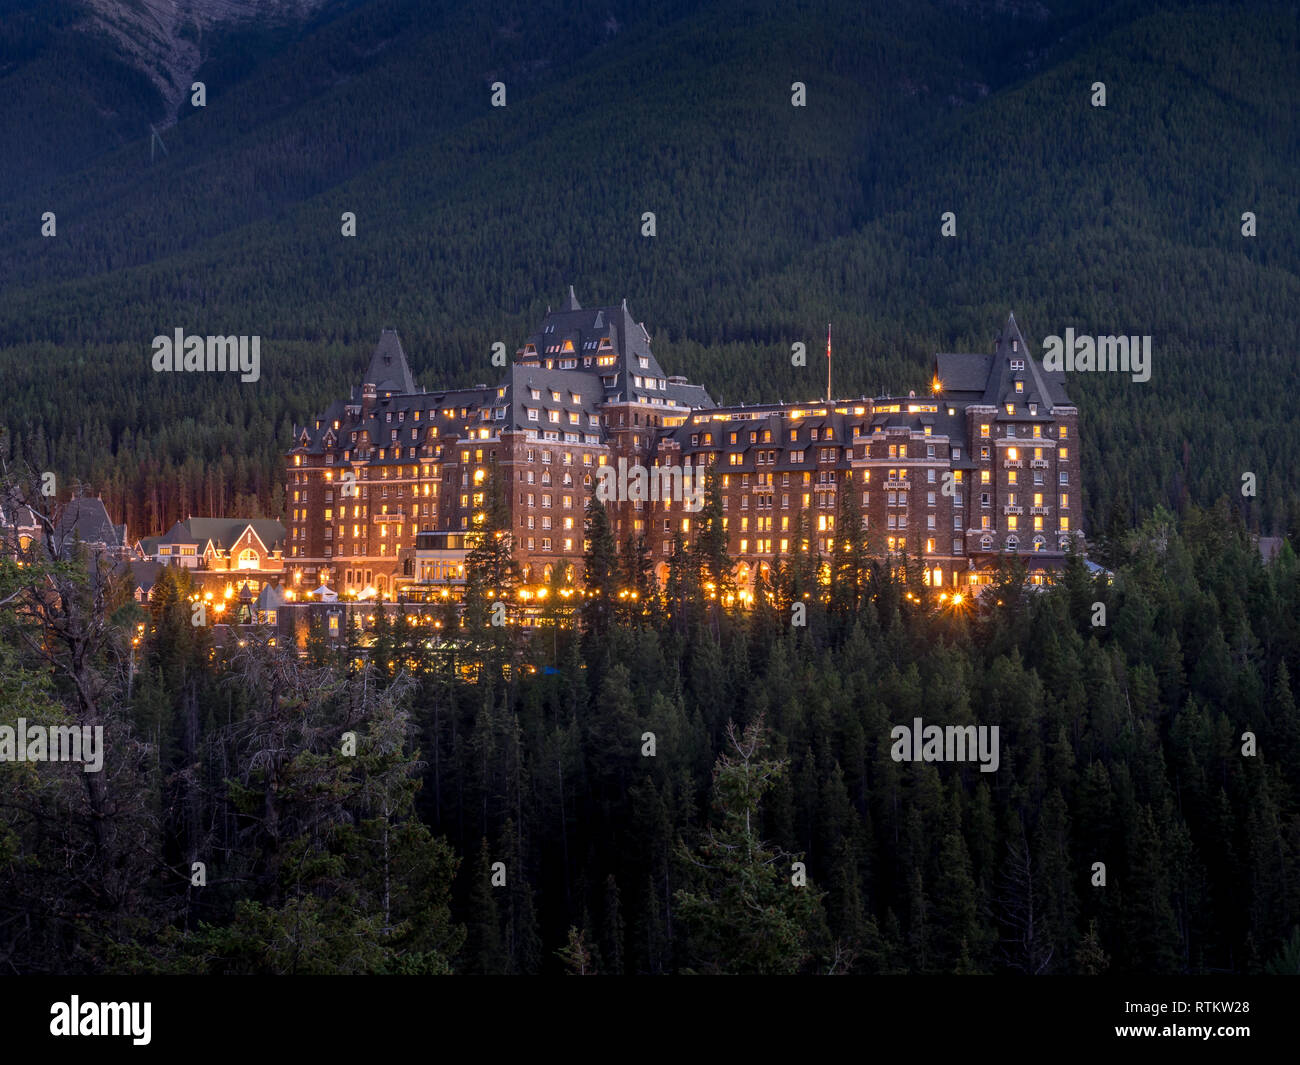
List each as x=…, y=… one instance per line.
x=1013, y=510
x=1038, y=464
x=395, y=516
x=1040, y=510
x=1013, y=464
x=897, y=485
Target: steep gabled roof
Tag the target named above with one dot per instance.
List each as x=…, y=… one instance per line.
x=224, y=533
x=388, y=370
x=87, y=519
x=990, y=380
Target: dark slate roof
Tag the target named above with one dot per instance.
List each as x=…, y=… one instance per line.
x=20, y=516
x=87, y=519
x=144, y=574
x=963, y=373
x=148, y=545
x=571, y=333
x=989, y=379
x=270, y=598
x=388, y=370
x=223, y=533
x=523, y=379
x=575, y=333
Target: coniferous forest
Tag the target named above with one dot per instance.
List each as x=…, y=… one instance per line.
x=651, y=780
x=771, y=220
x=1163, y=743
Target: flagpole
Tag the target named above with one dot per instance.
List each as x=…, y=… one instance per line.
x=828, y=362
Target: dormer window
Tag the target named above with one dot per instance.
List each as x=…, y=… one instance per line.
x=643, y=362
x=1020, y=386
x=1017, y=364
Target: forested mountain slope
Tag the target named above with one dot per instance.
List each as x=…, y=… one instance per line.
x=770, y=221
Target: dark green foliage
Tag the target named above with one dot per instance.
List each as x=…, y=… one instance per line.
x=771, y=221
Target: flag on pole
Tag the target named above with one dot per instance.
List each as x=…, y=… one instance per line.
x=828, y=362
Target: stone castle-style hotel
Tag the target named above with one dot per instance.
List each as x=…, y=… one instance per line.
x=384, y=486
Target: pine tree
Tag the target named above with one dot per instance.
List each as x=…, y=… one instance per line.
x=744, y=915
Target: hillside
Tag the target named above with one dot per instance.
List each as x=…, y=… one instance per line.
x=771, y=220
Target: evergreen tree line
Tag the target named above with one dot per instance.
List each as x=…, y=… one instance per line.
x=671, y=783
x=1124, y=219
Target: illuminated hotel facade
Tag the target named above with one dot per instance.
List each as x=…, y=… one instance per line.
x=383, y=487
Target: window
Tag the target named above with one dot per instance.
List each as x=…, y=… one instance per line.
x=1011, y=408
x=1020, y=386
